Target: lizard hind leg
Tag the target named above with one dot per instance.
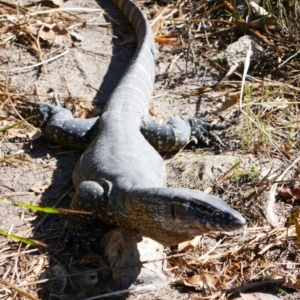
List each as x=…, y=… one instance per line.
x=85, y=229
x=58, y=124
x=168, y=137
x=180, y=131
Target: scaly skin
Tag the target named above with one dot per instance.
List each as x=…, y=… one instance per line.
x=120, y=176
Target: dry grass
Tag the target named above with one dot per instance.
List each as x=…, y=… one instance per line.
x=45, y=33
x=270, y=129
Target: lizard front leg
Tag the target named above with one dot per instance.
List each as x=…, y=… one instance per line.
x=85, y=229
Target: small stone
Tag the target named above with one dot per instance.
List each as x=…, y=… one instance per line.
x=124, y=247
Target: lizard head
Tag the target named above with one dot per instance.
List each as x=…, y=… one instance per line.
x=171, y=216
x=200, y=212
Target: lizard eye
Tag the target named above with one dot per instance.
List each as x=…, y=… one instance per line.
x=203, y=208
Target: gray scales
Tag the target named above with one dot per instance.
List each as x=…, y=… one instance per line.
x=121, y=177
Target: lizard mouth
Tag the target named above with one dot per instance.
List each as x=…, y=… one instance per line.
x=235, y=223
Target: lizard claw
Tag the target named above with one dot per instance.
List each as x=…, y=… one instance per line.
x=56, y=100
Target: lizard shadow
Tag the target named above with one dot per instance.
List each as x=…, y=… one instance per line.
x=49, y=228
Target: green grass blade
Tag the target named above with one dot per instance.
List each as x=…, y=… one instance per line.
x=45, y=209
x=20, y=239
x=4, y=128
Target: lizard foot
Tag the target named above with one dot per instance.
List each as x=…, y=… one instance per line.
x=40, y=113
x=202, y=131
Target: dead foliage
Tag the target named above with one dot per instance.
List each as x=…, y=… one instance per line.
x=45, y=33
x=207, y=32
